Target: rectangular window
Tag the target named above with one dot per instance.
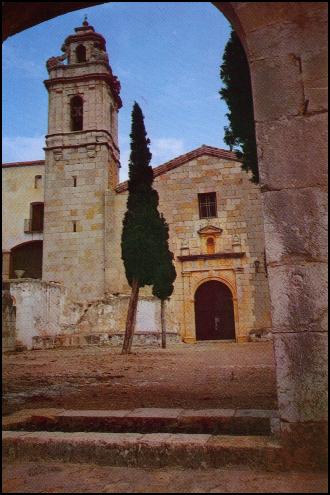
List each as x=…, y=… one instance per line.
x=207, y=205
x=37, y=217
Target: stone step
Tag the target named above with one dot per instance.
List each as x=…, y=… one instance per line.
x=148, y=420
x=145, y=450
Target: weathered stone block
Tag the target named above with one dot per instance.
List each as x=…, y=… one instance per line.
x=255, y=15
x=303, y=23
x=267, y=77
x=301, y=367
x=296, y=224
x=299, y=297
x=293, y=153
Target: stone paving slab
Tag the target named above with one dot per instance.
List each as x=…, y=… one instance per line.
x=120, y=413
x=207, y=413
x=257, y=413
x=155, y=412
x=147, y=420
x=133, y=449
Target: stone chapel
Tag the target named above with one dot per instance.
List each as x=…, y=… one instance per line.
x=63, y=216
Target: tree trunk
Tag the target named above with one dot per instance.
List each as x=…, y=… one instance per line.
x=163, y=322
x=131, y=317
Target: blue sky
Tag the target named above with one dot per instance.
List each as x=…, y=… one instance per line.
x=167, y=56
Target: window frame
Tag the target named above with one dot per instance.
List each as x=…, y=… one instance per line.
x=207, y=207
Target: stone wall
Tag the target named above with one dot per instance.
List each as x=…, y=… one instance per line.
x=74, y=218
x=286, y=45
x=8, y=319
x=240, y=219
x=18, y=192
x=47, y=317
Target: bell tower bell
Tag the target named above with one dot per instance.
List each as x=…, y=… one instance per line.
x=82, y=163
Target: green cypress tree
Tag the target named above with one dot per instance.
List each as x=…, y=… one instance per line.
x=237, y=93
x=164, y=275
x=141, y=228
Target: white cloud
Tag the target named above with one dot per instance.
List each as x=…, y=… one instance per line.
x=165, y=149
x=23, y=148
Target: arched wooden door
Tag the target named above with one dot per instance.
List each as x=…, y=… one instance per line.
x=214, y=312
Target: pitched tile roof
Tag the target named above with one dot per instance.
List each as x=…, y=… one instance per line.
x=23, y=164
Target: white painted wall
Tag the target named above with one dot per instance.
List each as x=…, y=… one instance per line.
x=42, y=309
x=38, y=309
x=148, y=316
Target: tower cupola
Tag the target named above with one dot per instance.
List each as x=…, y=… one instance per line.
x=84, y=54
x=85, y=46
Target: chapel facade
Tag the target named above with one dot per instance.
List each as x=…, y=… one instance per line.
x=63, y=221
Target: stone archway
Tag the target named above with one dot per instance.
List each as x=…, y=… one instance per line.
x=214, y=312
x=286, y=45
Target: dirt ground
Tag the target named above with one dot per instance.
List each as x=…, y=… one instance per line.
x=56, y=477
x=201, y=376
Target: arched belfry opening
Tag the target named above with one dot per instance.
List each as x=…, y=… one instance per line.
x=80, y=54
x=214, y=312
x=76, y=113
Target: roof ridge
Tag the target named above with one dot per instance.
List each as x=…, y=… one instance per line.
x=20, y=164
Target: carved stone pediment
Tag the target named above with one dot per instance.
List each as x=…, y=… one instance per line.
x=209, y=230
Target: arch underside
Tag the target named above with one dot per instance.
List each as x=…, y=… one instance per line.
x=28, y=258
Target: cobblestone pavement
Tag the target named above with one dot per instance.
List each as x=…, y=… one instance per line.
x=201, y=376
x=55, y=477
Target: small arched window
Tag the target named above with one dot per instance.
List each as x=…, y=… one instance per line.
x=76, y=110
x=80, y=54
x=210, y=245
x=111, y=116
x=37, y=181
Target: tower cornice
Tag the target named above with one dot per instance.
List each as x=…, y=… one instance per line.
x=109, y=78
x=95, y=132
x=89, y=35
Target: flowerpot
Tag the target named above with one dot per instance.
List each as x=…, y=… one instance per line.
x=19, y=273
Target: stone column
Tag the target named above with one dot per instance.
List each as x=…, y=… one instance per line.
x=188, y=309
x=286, y=45
x=5, y=265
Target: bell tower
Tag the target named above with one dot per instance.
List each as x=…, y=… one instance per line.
x=81, y=163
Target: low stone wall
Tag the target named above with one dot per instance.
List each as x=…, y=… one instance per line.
x=8, y=320
x=150, y=339
x=46, y=318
